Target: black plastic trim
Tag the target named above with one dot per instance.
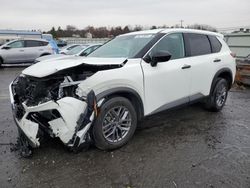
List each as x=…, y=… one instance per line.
x=1, y=60
x=223, y=70
x=123, y=91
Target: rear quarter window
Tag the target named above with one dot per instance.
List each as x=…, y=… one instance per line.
x=215, y=44
x=197, y=44
x=43, y=43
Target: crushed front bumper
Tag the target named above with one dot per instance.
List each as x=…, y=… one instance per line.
x=71, y=125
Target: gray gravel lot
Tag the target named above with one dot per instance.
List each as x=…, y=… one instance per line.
x=188, y=147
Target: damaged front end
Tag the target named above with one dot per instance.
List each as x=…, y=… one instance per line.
x=52, y=106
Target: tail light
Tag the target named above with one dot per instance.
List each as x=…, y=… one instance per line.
x=233, y=54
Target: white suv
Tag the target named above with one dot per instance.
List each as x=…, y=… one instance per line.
x=102, y=97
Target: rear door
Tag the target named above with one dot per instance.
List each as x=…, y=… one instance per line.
x=34, y=49
x=167, y=84
x=15, y=53
x=201, y=60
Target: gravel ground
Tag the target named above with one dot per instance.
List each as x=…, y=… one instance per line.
x=188, y=147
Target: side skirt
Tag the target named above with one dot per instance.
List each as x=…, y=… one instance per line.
x=179, y=103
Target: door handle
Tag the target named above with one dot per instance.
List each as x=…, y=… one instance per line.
x=217, y=60
x=21, y=50
x=186, y=67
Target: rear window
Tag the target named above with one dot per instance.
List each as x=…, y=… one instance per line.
x=34, y=43
x=197, y=44
x=215, y=44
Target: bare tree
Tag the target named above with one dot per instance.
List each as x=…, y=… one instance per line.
x=71, y=28
x=202, y=27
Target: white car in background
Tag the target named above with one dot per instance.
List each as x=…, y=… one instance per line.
x=81, y=50
x=102, y=96
x=65, y=49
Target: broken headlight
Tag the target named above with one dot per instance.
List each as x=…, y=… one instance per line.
x=34, y=91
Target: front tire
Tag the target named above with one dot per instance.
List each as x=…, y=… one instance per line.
x=217, y=99
x=1, y=62
x=115, y=124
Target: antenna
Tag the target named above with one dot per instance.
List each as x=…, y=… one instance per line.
x=181, y=23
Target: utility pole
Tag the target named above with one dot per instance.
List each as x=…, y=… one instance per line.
x=181, y=23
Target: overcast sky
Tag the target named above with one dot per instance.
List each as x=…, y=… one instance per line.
x=43, y=14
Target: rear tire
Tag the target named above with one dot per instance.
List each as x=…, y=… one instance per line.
x=115, y=124
x=217, y=98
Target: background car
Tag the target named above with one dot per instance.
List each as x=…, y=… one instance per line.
x=24, y=50
x=61, y=43
x=65, y=49
x=82, y=50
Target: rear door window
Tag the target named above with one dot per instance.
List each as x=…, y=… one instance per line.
x=197, y=44
x=215, y=44
x=32, y=43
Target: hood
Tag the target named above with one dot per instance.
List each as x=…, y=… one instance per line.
x=46, y=68
x=49, y=57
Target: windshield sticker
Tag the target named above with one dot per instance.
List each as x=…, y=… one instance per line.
x=143, y=36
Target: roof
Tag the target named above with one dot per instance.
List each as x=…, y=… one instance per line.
x=153, y=31
x=170, y=30
x=36, y=39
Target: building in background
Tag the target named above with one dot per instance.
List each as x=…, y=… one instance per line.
x=239, y=43
x=88, y=35
x=21, y=33
x=7, y=35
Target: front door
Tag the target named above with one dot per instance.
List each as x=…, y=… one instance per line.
x=167, y=84
x=15, y=53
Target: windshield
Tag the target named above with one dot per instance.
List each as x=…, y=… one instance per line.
x=76, y=50
x=123, y=46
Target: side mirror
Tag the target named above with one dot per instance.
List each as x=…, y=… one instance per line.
x=158, y=57
x=6, y=47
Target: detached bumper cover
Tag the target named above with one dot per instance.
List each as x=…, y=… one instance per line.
x=71, y=125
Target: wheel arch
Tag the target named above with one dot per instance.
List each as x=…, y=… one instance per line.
x=45, y=54
x=128, y=93
x=225, y=73
x=1, y=59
